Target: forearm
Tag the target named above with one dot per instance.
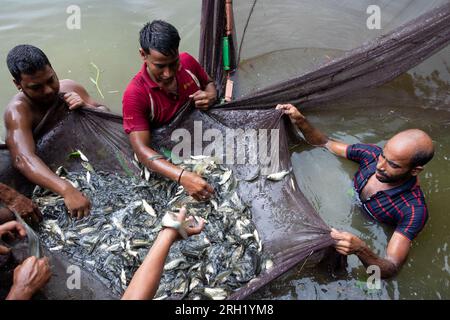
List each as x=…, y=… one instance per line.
x=148, y=157
x=312, y=135
x=35, y=170
x=16, y=293
x=146, y=280
x=368, y=257
x=5, y=215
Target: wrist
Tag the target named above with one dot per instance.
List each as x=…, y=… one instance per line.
x=169, y=234
x=361, y=247
x=301, y=122
x=67, y=190
x=19, y=293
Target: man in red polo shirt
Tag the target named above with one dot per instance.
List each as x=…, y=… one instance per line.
x=167, y=80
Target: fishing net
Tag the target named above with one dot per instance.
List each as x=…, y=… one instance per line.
x=290, y=229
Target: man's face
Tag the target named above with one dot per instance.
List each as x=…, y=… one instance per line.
x=162, y=68
x=42, y=87
x=393, y=165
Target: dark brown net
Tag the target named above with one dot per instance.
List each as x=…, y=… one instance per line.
x=289, y=227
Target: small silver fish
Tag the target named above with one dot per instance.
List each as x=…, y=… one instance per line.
x=277, y=176
x=82, y=156
x=146, y=174
x=173, y=264
x=225, y=177
x=123, y=278
x=148, y=208
x=216, y=293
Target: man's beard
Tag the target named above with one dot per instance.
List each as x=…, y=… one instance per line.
x=46, y=102
x=382, y=177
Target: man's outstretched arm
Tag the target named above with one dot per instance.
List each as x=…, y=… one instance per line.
x=396, y=252
x=21, y=144
x=312, y=135
x=145, y=281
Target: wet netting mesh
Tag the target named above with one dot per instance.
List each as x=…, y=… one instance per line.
x=289, y=227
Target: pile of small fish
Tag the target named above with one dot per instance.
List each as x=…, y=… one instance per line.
x=125, y=220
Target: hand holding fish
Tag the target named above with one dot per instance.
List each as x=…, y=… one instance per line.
x=11, y=229
x=77, y=204
x=29, y=277
x=182, y=227
x=196, y=186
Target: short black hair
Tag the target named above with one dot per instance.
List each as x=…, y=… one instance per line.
x=160, y=36
x=421, y=158
x=26, y=59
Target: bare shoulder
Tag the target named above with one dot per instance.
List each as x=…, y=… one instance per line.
x=18, y=108
x=68, y=85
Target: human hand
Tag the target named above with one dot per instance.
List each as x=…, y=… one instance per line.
x=11, y=229
x=6, y=215
x=77, y=203
x=203, y=99
x=74, y=100
x=189, y=225
x=294, y=114
x=26, y=208
x=346, y=243
x=196, y=186
x=29, y=277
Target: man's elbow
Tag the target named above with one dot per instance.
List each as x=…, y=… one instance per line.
x=21, y=162
x=389, y=269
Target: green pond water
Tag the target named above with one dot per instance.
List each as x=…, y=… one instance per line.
x=109, y=38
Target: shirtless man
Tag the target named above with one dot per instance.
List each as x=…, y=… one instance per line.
x=39, y=90
x=387, y=186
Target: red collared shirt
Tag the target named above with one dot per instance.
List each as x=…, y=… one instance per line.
x=145, y=103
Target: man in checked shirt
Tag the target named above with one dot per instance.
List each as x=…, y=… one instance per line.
x=387, y=186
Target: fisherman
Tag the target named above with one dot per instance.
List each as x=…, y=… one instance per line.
x=167, y=81
x=387, y=185
x=32, y=274
x=145, y=281
x=40, y=91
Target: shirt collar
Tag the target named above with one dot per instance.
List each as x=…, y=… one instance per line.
x=408, y=185
x=152, y=84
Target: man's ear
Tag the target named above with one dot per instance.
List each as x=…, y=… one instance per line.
x=142, y=53
x=17, y=84
x=415, y=171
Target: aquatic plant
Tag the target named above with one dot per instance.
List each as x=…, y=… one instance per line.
x=95, y=81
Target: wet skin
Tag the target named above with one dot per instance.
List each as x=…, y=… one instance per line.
x=393, y=169
x=38, y=93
